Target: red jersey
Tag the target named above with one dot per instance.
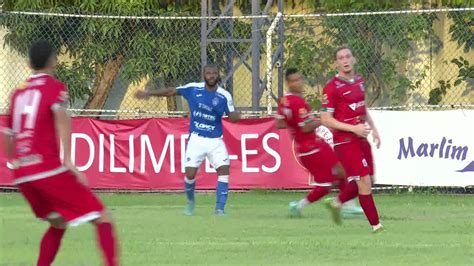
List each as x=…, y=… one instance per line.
x=31, y=120
x=346, y=100
x=296, y=112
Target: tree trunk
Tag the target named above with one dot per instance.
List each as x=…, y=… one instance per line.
x=105, y=76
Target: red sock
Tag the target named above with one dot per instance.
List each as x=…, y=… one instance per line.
x=49, y=246
x=368, y=205
x=348, y=191
x=107, y=241
x=317, y=193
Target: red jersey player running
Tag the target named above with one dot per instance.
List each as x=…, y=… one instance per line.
x=344, y=111
x=313, y=152
x=56, y=191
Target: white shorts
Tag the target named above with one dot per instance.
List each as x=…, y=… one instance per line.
x=199, y=148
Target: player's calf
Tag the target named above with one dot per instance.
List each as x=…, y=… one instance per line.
x=367, y=202
x=189, y=189
x=107, y=239
x=349, y=209
x=222, y=188
x=51, y=241
x=338, y=172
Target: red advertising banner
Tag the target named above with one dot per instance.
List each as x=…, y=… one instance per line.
x=148, y=154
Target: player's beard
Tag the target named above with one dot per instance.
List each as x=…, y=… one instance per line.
x=211, y=83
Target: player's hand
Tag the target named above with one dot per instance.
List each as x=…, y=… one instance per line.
x=361, y=130
x=142, y=94
x=81, y=178
x=317, y=122
x=79, y=175
x=376, y=138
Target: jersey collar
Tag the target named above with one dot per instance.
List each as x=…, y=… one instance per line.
x=295, y=94
x=37, y=75
x=351, y=81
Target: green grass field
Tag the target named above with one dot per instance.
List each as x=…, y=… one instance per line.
x=421, y=229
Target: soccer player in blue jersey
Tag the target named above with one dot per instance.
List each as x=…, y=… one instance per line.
x=207, y=104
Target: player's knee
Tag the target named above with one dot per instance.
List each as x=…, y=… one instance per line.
x=223, y=170
x=365, y=185
x=58, y=223
x=339, y=172
x=104, y=218
x=191, y=173
x=190, y=176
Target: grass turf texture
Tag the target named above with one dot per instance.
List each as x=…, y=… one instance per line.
x=421, y=229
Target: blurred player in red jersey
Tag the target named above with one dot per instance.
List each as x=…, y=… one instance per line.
x=313, y=152
x=345, y=112
x=349, y=208
x=55, y=190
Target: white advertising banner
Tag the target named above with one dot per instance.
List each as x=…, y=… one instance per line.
x=433, y=148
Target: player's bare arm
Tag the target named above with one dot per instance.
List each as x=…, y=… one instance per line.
x=62, y=123
x=311, y=125
x=234, y=117
x=164, y=92
x=375, y=133
x=328, y=120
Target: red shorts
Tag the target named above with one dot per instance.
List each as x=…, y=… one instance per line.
x=320, y=162
x=356, y=158
x=62, y=195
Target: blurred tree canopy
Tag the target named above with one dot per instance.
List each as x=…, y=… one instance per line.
x=101, y=49
x=382, y=44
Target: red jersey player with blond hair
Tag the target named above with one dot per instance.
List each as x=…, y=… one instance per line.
x=313, y=152
x=345, y=112
x=55, y=190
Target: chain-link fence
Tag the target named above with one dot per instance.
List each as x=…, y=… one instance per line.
x=410, y=59
x=104, y=60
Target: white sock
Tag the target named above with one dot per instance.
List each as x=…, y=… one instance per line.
x=189, y=181
x=302, y=203
x=223, y=178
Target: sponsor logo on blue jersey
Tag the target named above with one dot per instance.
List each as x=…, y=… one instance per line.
x=206, y=108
